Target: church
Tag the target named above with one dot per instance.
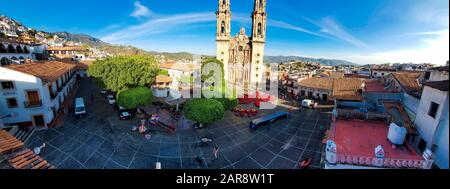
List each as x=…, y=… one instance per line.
x=241, y=55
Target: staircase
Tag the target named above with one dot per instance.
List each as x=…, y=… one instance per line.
x=22, y=134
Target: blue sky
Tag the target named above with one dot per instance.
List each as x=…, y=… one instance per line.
x=370, y=31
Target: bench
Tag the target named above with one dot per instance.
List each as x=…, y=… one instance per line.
x=27, y=159
x=9, y=143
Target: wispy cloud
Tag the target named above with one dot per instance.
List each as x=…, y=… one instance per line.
x=158, y=25
x=331, y=27
x=434, y=49
x=280, y=24
x=429, y=33
x=141, y=11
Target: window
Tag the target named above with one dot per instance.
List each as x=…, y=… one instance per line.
x=259, y=29
x=7, y=85
x=382, y=74
x=433, y=109
x=12, y=102
x=422, y=145
x=222, y=28
x=427, y=75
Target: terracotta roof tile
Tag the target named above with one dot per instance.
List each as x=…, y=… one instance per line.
x=75, y=48
x=318, y=83
x=180, y=67
x=348, y=89
x=408, y=80
x=47, y=70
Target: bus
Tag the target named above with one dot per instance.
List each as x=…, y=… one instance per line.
x=269, y=119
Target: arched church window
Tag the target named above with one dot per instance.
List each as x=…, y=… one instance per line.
x=222, y=27
x=224, y=2
x=240, y=48
x=260, y=3
x=259, y=29
x=2, y=48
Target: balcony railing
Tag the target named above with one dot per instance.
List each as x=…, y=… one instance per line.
x=29, y=104
x=53, y=95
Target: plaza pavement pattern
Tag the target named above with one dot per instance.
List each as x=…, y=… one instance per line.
x=101, y=141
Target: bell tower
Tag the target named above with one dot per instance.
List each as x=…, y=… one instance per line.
x=259, y=18
x=223, y=33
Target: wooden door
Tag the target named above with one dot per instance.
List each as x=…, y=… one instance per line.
x=33, y=97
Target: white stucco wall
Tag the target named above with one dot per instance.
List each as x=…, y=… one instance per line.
x=316, y=92
x=25, y=82
x=442, y=141
x=426, y=125
x=22, y=83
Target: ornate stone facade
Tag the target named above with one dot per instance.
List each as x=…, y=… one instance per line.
x=242, y=55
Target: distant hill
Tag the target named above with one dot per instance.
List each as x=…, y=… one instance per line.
x=12, y=28
x=81, y=38
x=322, y=61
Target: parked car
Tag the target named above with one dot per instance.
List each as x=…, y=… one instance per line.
x=103, y=91
x=307, y=103
x=125, y=114
x=80, y=108
x=111, y=99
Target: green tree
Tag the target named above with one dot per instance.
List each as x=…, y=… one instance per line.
x=135, y=97
x=203, y=111
x=123, y=72
x=163, y=72
x=227, y=103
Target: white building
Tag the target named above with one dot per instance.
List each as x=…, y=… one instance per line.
x=33, y=94
x=317, y=88
x=378, y=73
x=178, y=71
x=15, y=52
x=432, y=117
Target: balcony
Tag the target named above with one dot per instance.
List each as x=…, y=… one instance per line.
x=29, y=104
x=53, y=95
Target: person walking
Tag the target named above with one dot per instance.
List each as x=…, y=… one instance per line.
x=216, y=151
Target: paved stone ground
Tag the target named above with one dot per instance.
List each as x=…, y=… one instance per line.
x=101, y=141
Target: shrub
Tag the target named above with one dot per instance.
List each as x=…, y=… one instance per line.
x=203, y=111
x=135, y=97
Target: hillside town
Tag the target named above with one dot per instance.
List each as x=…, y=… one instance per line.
x=65, y=104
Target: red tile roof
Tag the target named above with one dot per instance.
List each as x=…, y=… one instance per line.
x=317, y=83
x=75, y=48
x=348, y=89
x=47, y=70
x=360, y=138
x=408, y=80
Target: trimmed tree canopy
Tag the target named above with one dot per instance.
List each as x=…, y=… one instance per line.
x=123, y=72
x=227, y=103
x=134, y=97
x=203, y=111
x=163, y=72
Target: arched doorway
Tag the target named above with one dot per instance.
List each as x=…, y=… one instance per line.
x=2, y=48
x=19, y=49
x=21, y=59
x=25, y=50
x=11, y=49
x=4, y=61
x=15, y=60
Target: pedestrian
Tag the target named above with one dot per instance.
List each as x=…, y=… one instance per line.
x=216, y=151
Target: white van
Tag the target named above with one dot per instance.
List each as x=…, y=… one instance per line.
x=80, y=108
x=307, y=103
